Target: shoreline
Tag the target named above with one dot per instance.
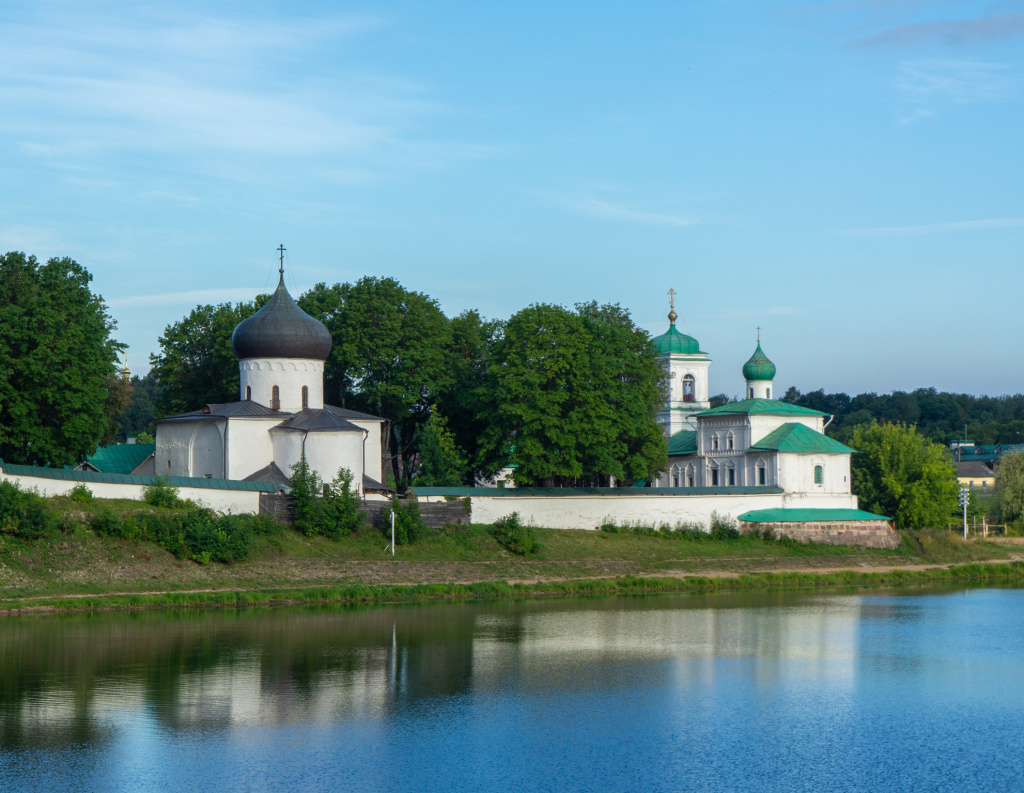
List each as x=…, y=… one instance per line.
x=996, y=573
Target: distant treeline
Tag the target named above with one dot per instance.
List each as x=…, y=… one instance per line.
x=939, y=415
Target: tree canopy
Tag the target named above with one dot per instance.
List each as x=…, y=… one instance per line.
x=572, y=398
x=1010, y=487
x=903, y=475
x=60, y=389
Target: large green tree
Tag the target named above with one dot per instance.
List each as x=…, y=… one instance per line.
x=572, y=398
x=196, y=365
x=59, y=387
x=1010, y=487
x=388, y=357
x=900, y=473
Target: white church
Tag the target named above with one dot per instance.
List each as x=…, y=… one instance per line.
x=758, y=441
x=280, y=414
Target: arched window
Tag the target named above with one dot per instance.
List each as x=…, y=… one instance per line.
x=714, y=442
x=675, y=476
x=305, y=397
x=689, y=388
x=731, y=476
x=275, y=398
x=714, y=477
x=819, y=475
x=248, y=393
x=729, y=441
x=762, y=475
x=689, y=476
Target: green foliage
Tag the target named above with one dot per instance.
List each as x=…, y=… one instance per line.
x=723, y=528
x=901, y=474
x=196, y=364
x=161, y=493
x=199, y=534
x=938, y=415
x=24, y=514
x=81, y=493
x=1010, y=487
x=573, y=397
x=441, y=462
x=512, y=535
x=409, y=525
x=59, y=387
x=330, y=510
x=138, y=415
x=388, y=357
x=145, y=438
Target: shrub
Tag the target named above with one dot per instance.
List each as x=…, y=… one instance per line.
x=513, y=536
x=723, y=527
x=24, y=514
x=81, y=493
x=161, y=493
x=409, y=525
x=330, y=510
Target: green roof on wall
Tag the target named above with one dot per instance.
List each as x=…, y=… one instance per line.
x=769, y=406
x=69, y=475
x=782, y=515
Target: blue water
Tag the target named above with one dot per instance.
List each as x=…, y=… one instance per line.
x=795, y=692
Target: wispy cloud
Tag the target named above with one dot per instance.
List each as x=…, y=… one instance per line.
x=192, y=298
x=952, y=32
x=603, y=209
x=956, y=82
x=939, y=228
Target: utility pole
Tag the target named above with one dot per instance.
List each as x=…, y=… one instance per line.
x=964, y=499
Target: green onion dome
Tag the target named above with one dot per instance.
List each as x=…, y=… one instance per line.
x=759, y=367
x=673, y=341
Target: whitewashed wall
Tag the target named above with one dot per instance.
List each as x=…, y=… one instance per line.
x=235, y=501
x=289, y=375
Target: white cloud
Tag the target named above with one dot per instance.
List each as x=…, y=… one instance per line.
x=955, y=82
x=592, y=206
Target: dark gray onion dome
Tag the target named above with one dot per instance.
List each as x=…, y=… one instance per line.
x=281, y=330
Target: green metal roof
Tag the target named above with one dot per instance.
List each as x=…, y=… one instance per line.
x=782, y=515
x=523, y=492
x=759, y=367
x=69, y=475
x=752, y=406
x=672, y=341
x=798, y=439
x=120, y=458
x=683, y=442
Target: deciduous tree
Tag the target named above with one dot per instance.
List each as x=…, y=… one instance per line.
x=58, y=362
x=1010, y=486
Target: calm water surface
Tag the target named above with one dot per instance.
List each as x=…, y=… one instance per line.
x=792, y=692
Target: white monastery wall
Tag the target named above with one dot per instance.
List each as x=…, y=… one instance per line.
x=374, y=464
x=235, y=501
x=173, y=456
x=288, y=374
x=590, y=511
x=796, y=473
x=326, y=453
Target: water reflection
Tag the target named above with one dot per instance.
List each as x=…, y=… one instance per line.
x=68, y=679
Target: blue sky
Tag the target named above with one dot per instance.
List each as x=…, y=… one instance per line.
x=847, y=175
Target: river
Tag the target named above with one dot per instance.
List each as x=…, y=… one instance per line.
x=877, y=691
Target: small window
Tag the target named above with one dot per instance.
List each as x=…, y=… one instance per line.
x=714, y=477
x=768, y=393
x=248, y=393
x=275, y=398
x=751, y=394
x=761, y=475
x=689, y=481
x=675, y=480
x=714, y=443
x=819, y=475
x=689, y=388
x=728, y=441
x=732, y=476
x=305, y=397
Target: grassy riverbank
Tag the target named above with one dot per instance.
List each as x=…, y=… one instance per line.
x=76, y=569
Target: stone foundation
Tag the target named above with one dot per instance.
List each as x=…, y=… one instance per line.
x=865, y=533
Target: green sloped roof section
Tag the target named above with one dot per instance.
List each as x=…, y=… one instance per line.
x=120, y=458
x=798, y=439
x=783, y=515
x=69, y=475
x=768, y=406
x=569, y=492
x=683, y=442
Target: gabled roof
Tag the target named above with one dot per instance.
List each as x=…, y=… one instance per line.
x=345, y=413
x=973, y=468
x=243, y=408
x=767, y=406
x=683, y=442
x=272, y=474
x=319, y=420
x=782, y=515
x=369, y=483
x=798, y=439
x=120, y=458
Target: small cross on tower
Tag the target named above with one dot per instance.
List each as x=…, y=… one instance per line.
x=671, y=298
x=281, y=249
x=758, y=334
